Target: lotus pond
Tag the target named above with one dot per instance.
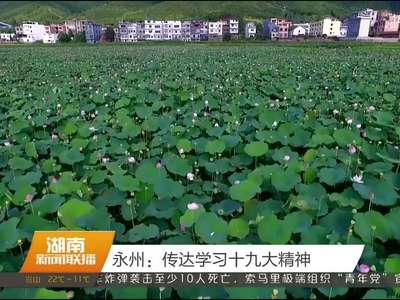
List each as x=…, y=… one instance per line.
x=198, y=144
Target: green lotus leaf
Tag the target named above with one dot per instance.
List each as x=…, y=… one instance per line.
x=72, y=210
x=168, y=188
x=65, y=184
x=256, y=149
x=19, y=163
x=267, y=118
x=98, y=176
x=285, y=180
x=298, y=221
x=372, y=225
x=191, y=216
x=216, y=146
x=378, y=191
x=273, y=231
x=148, y=173
x=71, y=156
x=376, y=294
x=315, y=235
x=184, y=144
x=8, y=234
x=344, y=137
x=125, y=183
x=30, y=150
x=177, y=165
x=238, y=228
x=143, y=232
x=332, y=176
x=211, y=229
x=48, y=204
x=245, y=190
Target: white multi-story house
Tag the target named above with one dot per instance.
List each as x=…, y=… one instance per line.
x=185, y=32
x=360, y=23
x=50, y=38
x=140, y=30
x=31, y=32
x=199, y=30
x=153, y=30
x=172, y=30
x=250, y=31
x=18, y=30
x=328, y=27
x=7, y=37
x=127, y=32
x=215, y=30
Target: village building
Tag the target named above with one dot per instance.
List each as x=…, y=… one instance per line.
x=386, y=24
x=306, y=27
x=76, y=26
x=126, y=32
x=185, y=31
x=328, y=27
x=230, y=28
x=31, y=32
x=215, y=31
x=275, y=28
x=171, y=30
x=50, y=38
x=297, y=31
x=55, y=28
x=343, y=32
x=360, y=23
x=152, y=30
x=7, y=37
x=250, y=31
x=93, y=32
x=199, y=30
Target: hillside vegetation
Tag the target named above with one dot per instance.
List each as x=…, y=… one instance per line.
x=110, y=12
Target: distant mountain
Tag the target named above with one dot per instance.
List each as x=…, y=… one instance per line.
x=110, y=12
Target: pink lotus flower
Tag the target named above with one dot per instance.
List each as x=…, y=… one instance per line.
x=193, y=206
x=352, y=149
x=158, y=165
x=371, y=109
x=363, y=268
x=53, y=179
x=28, y=198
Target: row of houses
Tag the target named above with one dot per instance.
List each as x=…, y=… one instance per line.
x=198, y=30
x=362, y=24
x=152, y=30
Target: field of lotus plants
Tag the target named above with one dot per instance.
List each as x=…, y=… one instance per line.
x=193, y=144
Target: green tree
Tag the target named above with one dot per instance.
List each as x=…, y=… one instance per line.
x=109, y=34
x=70, y=34
x=63, y=37
x=80, y=38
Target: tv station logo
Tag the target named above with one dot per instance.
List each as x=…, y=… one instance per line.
x=68, y=251
x=65, y=251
